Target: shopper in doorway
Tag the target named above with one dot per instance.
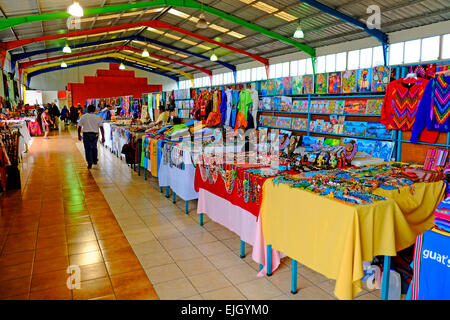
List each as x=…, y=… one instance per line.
x=65, y=115
x=46, y=122
x=90, y=123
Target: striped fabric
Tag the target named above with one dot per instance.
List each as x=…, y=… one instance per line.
x=416, y=267
x=441, y=101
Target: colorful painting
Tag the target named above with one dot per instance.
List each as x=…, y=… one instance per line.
x=297, y=85
x=339, y=106
x=263, y=90
x=378, y=130
x=286, y=104
x=265, y=103
x=284, y=122
x=383, y=149
x=300, y=106
x=364, y=80
x=299, y=124
x=321, y=83
x=271, y=121
x=261, y=120
x=349, y=81
x=381, y=78
x=274, y=87
x=308, y=84
x=355, y=106
x=355, y=128
x=374, y=106
x=334, y=82
x=312, y=143
x=276, y=103
x=364, y=145
x=287, y=85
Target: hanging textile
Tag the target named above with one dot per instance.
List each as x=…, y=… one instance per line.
x=434, y=109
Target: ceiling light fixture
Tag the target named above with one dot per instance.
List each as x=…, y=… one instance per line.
x=63, y=65
x=299, y=34
x=145, y=53
x=213, y=57
x=122, y=67
x=75, y=9
x=67, y=49
x=201, y=23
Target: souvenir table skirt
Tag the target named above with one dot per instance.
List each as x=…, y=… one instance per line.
x=334, y=238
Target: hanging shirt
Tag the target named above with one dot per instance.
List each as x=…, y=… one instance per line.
x=229, y=95
x=245, y=102
x=255, y=101
x=431, y=278
x=223, y=106
x=235, y=102
x=434, y=109
x=215, y=104
x=401, y=102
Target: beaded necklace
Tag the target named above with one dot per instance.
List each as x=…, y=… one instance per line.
x=246, y=185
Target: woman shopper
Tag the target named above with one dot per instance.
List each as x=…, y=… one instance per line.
x=65, y=115
x=46, y=122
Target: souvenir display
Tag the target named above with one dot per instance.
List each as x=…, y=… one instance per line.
x=321, y=83
x=299, y=124
x=334, y=82
x=300, y=106
x=374, y=106
x=349, y=81
x=364, y=80
x=381, y=78
x=355, y=128
x=308, y=84
x=297, y=85
x=355, y=106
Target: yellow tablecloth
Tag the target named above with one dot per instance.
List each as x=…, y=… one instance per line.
x=334, y=238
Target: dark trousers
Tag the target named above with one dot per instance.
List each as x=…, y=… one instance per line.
x=90, y=147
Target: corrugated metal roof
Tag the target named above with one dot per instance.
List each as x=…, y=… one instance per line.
x=320, y=28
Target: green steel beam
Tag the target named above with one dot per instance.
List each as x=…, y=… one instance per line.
x=192, y=4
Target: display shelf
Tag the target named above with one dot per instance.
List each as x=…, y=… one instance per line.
x=290, y=112
x=348, y=136
x=282, y=128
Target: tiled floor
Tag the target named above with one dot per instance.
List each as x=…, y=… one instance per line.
x=126, y=236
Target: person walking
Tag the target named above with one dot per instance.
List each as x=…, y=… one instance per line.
x=90, y=123
x=73, y=114
x=46, y=122
x=65, y=115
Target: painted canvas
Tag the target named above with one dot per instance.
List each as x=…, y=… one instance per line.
x=374, y=106
x=274, y=87
x=364, y=80
x=334, y=82
x=339, y=106
x=383, y=149
x=355, y=106
x=265, y=103
x=271, y=121
x=312, y=142
x=297, y=85
x=381, y=78
x=300, y=106
x=263, y=90
x=321, y=83
x=286, y=104
x=308, y=84
x=364, y=145
x=355, y=128
x=349, y=81
x=287, y=85
x=284, y=122
x=378, y=130
x=299, y=124
x=276, y=103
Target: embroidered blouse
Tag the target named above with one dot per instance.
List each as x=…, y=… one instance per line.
x=434, y=109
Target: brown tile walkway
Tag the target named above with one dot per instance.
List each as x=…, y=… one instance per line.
x=61, y=218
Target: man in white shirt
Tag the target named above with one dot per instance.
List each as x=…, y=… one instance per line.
x=90, y=123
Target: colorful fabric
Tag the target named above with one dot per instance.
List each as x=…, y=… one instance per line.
x=223, y=106
x=431, y=267
x=433, y=112
x=245, y=102
x=401, y=102
x=442, y=224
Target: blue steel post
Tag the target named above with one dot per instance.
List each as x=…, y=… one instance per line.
x=294, y=277
x=242, y=255
x=269, y=260
x=385, y=279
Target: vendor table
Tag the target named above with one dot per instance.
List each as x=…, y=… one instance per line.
x=334, y=238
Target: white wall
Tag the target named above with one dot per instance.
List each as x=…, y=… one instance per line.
x=57, y=80
x=33, y=97
x=49, y=97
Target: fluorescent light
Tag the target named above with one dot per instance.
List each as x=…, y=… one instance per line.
x=236, y=34
x=299, y=34
x=178, y=13
x=201, y=23
x=67, y=49
x=264, y=7
x=63, y=65
x=285, y=16
x=213, y=57
x=145, y=53
x=75, y=9
x=122, y=67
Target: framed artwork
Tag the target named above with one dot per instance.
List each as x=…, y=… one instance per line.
x=297, y=85
x=265, y=103
x=286, y=103
x=300, y=106
x=374, y=106
x=381, y=78
x=349, y=81
x=355, y=128
x=355, y=106
x=321, y=83
x=364, y=80
x=334, y=82
x=308, y=84
x=276, y=103
x=378, y=130
x=299, y=124
x=287, y=85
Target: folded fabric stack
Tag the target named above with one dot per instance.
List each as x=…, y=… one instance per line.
x=442, y=213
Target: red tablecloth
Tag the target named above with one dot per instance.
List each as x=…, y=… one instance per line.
x=236, y=197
